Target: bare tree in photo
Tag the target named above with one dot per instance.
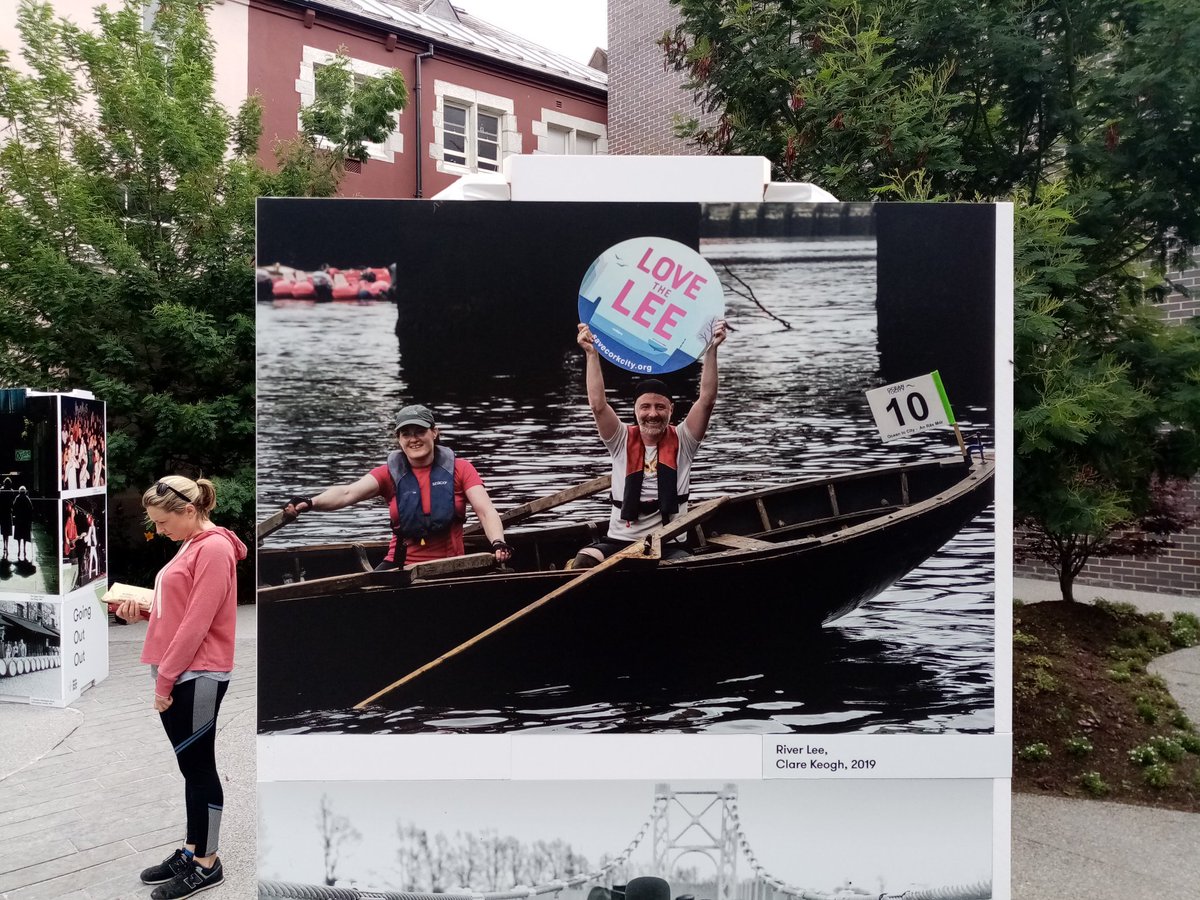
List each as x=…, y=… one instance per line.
x=467, y=858
x=515, y=861
x=482, y=861
x=336, y=833
x=555, y=859
x=496, y=850
x=439, y=858
x=410, y=855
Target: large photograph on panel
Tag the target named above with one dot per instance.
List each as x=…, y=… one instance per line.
x=85, y=543
x=845, y=584
x=629, y=840
x=30, y=651
x=28, y=493
x=83, y=454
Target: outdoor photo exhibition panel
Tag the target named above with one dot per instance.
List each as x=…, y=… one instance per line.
x=658, y=839
x=54, y=560
x=839, y=619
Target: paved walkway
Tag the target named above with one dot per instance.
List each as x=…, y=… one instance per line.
x=90, y=795
x=1110, y=851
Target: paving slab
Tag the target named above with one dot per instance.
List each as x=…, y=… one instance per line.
x=91, y=795
x=1181, y=671
x=1036, y=590
x=1103, y=851
x=32, y=730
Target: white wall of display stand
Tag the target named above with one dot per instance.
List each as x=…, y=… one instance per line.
x=54, y=515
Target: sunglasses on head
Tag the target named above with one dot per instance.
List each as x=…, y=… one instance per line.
x=161, y=488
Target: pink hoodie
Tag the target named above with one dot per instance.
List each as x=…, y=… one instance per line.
x=194, y=614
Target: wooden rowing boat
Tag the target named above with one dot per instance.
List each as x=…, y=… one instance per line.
x=767, y=565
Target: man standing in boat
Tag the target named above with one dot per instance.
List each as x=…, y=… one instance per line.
x=652, y=460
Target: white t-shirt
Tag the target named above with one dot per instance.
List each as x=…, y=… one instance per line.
x=618, y=528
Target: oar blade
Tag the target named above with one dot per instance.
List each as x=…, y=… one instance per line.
x=271, y=524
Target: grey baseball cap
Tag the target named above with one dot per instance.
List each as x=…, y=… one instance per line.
x=414, y=415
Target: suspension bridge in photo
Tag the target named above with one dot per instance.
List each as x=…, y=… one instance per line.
x=681, y=824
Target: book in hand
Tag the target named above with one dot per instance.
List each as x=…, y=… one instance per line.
x=119, y=593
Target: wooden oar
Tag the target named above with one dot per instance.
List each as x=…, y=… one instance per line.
x=314, y=587
x=541, y=504
x=647, y=549
x=271, y=524
x=276, y=521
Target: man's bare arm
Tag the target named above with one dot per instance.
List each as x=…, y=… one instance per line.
x=607, y=422
x=701, y=411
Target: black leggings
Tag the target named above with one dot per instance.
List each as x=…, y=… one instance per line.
x=191, y=725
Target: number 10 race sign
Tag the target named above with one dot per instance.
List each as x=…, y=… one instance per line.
x=910, y=406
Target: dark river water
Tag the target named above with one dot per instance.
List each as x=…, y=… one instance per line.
x=919, y=657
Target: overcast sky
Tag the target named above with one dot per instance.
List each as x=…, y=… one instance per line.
x=572, y=27
x=814, y=834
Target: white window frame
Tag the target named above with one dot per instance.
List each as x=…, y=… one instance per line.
x=306, y=87
x=574, y=125
x=474, y=102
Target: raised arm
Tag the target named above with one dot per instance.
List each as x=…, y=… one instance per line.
x=698, y=415
x=607, y=422
x=335, y=497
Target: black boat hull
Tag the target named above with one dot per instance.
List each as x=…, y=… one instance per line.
x=333, y=651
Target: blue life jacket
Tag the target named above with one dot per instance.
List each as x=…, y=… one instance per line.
x=414, y=523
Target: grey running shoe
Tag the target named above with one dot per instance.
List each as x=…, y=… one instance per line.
x=175, y=864
x=195, y=880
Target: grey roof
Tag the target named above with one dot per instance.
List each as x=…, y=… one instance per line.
x=472, y=34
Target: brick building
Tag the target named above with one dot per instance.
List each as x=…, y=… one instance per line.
x=485, y=93
x=477, y=93
x=644, y=95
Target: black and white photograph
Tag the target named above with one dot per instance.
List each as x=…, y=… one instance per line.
x=30, y=651
x=632, y=840
x=28, y=454
x=29, y=564
x=28, y=514
x=820, y=575
x=84, y=540
x=83, y=454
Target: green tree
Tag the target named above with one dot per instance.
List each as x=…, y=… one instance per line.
x=347, y=113
x=1083, y=112
x=127, y=240
x=1107, y=404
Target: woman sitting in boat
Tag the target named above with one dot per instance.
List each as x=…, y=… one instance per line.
x=433, y=487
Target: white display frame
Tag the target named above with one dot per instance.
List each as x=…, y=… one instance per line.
x=519, y=757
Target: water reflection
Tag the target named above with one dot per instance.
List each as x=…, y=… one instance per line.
x=791, y=404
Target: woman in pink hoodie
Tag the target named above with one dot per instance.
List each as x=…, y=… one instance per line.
x=189, y=645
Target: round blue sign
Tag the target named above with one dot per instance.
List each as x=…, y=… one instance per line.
x=651, y=304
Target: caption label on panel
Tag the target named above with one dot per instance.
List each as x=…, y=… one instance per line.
x=888, y=756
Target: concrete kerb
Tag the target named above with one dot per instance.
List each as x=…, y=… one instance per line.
x=90, y=795
x=1110, y=851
